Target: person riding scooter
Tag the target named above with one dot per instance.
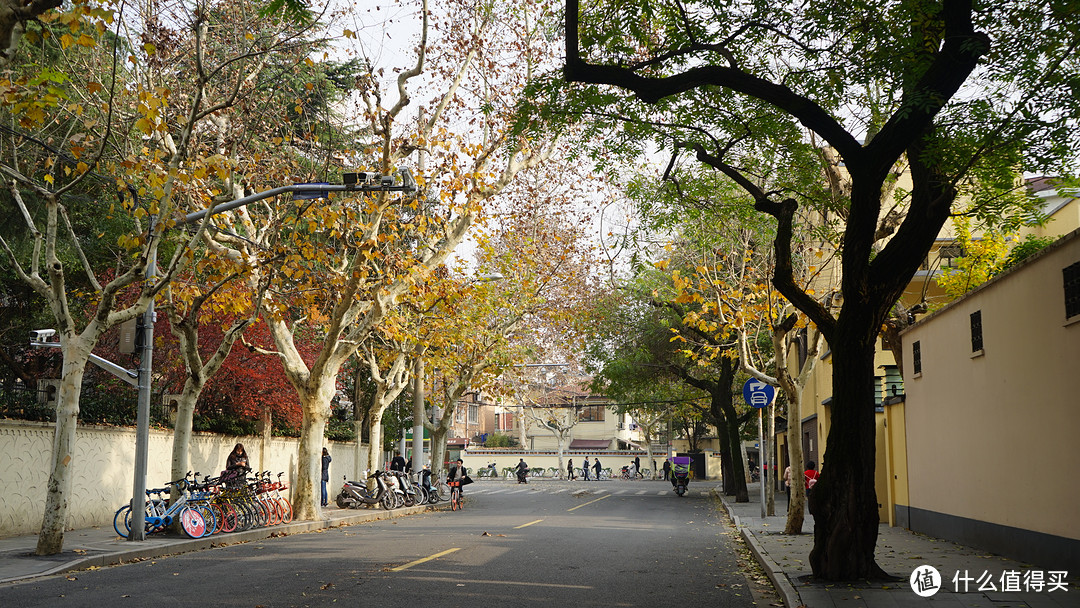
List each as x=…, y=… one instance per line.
x=680, y=474
x=522, y=471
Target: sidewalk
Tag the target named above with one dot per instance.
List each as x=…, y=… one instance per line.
x=900, y=552
x=101, y=546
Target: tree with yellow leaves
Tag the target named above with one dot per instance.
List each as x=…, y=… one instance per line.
x=91, y=124
x=981, y=256
x=340, y=266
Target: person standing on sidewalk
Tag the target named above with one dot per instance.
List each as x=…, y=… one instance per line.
x=398, y=463
x=596, y=467
x=325, y=474
x=585, y=469
x=787, y=483
x=810, y=476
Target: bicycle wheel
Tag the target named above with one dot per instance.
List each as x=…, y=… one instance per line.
x=388, y=501
x=208, y=517
x=262, y=514
x=455, y=499
x=192, y=523
x=286, y=509
x=245, y=519
x=122, y=521
x=272, y=510
x=444, y=490
x=229, y=517
x=219, y=517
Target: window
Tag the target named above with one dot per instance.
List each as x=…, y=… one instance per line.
x=948, y=254
x=1072, y=290
x=916, y=357
x=591, y=413
x=976, y=331
x=804, y=346
x=474, y=414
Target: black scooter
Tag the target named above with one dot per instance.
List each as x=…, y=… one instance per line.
x=523, y=475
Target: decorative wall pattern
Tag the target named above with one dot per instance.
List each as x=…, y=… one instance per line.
x=103, y=463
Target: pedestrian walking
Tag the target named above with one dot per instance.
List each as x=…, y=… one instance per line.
x=585, y=469
x=596, y=467
x=325, y=475
x=570, y=469
x=637, y=466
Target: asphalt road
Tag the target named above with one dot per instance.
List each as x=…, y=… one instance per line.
x=542, y=544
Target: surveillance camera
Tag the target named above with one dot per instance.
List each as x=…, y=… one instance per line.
x=43, y=335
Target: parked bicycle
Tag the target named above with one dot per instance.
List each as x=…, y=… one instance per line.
x=159, y=513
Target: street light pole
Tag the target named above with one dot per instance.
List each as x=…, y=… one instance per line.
x=142, y=412
x=418, y=413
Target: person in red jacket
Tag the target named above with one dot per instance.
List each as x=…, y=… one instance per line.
x=810, y=476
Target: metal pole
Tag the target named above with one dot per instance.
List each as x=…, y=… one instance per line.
x=761, y=454
x=418, y=414
x=142, y=415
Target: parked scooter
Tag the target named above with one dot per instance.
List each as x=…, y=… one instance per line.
x=680, y=474
x=429, y=490
x=406, y=488
x=356, y=494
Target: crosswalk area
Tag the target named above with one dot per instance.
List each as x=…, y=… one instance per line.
x=475, y=489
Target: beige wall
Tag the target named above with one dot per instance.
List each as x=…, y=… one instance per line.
x=992, y=437
x=103, y=462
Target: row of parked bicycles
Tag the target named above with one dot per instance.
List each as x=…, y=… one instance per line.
x=231, y=502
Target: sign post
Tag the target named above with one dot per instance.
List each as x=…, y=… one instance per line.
x=758, y=395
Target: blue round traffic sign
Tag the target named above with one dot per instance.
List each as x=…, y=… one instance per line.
x=758, y=393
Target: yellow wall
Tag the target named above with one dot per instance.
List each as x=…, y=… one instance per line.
x=992, y=436
x=1061, y=222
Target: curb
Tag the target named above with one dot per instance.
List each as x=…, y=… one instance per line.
x=780, y=581
x=201, y=544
